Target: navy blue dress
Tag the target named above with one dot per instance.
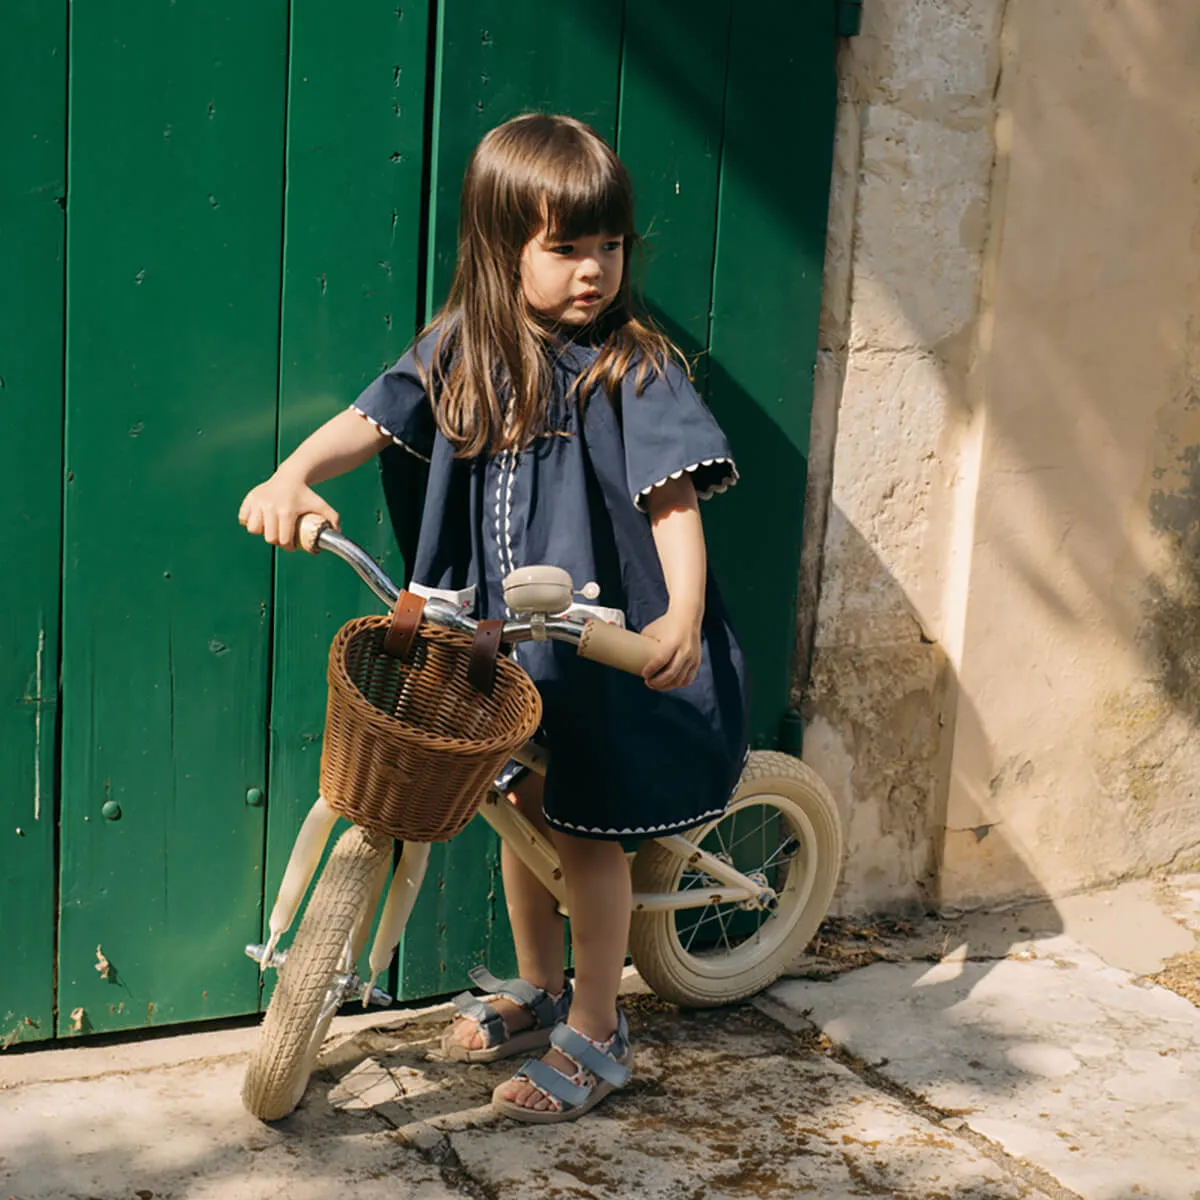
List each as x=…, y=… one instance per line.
x=625, y=761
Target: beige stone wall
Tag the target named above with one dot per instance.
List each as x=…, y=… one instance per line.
x=1005, y=688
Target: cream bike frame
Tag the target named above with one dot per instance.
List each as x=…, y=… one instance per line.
x=540, y=593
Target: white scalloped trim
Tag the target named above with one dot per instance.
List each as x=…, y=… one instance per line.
x=388, y=433
x=504, y=502
x=647, y=830
x=708, y=493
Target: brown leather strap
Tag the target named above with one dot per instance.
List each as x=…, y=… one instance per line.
x=481, y=673
x=406, y=621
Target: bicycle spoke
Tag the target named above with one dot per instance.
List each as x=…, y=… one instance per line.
x=724, y=929
x=763, y=843
x=708, y=915
x=774, y=859
x=719, y=929
x=721, y=840
x=761, y=830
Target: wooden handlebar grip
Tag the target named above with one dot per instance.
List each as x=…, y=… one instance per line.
x=311, y=527
x=620, y=648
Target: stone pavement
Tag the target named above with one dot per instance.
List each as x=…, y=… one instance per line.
x=1023, y=1054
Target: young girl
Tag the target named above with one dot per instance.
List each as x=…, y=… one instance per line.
x=561, y=429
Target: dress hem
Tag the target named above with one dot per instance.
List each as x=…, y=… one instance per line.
x=388, y=433
x=722, y=485
x=644, y=831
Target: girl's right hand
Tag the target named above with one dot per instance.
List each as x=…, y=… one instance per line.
x=274, y=508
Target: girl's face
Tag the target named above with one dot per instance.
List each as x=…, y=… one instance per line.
x=572, y=282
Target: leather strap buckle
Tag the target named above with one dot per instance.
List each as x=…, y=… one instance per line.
x=481, y=673
x=406, y=623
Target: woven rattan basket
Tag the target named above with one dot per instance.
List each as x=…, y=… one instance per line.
x=411, y=748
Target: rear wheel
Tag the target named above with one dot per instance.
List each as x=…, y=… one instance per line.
x=308, y=991
x=782, y=829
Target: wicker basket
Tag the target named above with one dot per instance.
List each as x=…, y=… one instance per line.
x=411, y=748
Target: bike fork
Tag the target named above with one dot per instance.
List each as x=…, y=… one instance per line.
x=397, y=908
x=302, y=865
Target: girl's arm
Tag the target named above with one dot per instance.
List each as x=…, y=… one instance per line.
x=341, y=444
x=679, y=538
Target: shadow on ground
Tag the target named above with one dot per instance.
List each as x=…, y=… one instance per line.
x=725, y=1103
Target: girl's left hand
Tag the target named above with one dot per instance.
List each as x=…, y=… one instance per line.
x=678, y=658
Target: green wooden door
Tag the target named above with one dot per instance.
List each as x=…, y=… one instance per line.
x=351, y=279
x=174, y=230
x=262, y=210
x=33, y=83
x=770, y=246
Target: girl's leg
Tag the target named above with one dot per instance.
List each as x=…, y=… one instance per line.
x=537, y=927
x=599, y=897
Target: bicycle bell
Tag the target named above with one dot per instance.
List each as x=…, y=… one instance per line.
x=542, y=590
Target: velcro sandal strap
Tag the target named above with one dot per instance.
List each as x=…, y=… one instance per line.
x=554, y=1083
x=590, y=1057
x=490, y=1022
x=521, y=992
x=482, y=977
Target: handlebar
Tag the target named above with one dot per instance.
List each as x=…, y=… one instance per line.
x=595, y=640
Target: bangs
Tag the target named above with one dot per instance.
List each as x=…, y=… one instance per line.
x=583, y=186
x=594, y=202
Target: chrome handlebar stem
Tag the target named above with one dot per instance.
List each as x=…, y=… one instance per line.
x=559, y=629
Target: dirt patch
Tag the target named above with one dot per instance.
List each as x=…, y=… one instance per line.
x=843, y=944
x=1181, y=974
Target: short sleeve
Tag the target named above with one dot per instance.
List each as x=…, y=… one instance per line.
x=668, y=430
x=398, y=405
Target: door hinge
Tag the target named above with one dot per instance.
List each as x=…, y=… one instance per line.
x=849, y=17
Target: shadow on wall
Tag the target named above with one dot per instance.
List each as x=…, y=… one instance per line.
x=1077, y=693
x=879, y=728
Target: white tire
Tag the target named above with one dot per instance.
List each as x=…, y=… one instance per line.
x=326, y=946
x=782, y=826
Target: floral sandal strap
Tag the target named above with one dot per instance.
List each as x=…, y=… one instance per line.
x=602, y=1060
x=544, y=1008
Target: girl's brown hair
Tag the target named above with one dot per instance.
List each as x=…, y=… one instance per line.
x=490, y=371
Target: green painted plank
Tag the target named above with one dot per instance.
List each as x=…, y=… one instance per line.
x=459, y=918
x=33, y=127
x=496, y=61
x=766, y=306
x=672, y=114
x=491, y=64
x=174, y=235
x=353, y=235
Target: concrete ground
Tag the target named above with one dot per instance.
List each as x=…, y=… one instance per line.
x=1021, y=1054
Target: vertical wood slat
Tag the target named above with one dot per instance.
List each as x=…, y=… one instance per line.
x=174, y=230
x=491, y=64
x=671, y=118
x=33, y=127
x=356, y=112
x=494, y=62
x=774, y=198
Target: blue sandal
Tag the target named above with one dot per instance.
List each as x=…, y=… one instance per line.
x=609, y=1065
x=547, y=1011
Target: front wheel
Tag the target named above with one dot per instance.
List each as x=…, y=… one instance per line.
x=309, y=988
x=782, y=829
